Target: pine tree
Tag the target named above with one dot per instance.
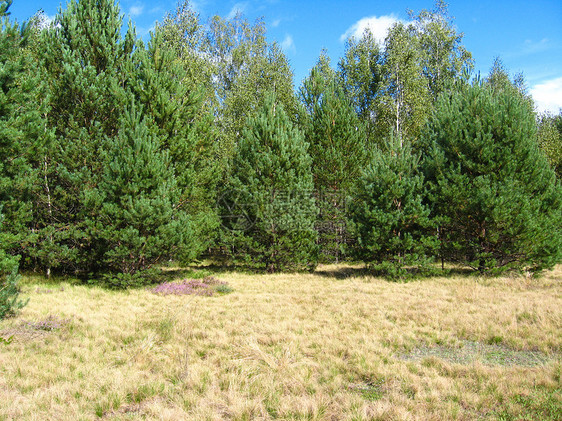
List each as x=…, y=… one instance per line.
x=9, y=289
x=88, y=67
x=393, y=226
x=175, y=113
x=272, y=187
x=321, y=77
x=135, y=220
x=496, y=199
x=22, y=131
x=339, y=152
x=14, y=167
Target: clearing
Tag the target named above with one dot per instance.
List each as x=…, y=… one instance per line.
x=335, y=344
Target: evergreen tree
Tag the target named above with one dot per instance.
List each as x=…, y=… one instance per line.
x=15, y=134
x=321, y=77
x=88, y=68
x=9, y=289
x=492, y=191
x=337, y=142
x=175, y=113
x=272, y=186
x=96, y=77
x=338, y=150
x=393, y=226
x=23, y=137
x=135, y=220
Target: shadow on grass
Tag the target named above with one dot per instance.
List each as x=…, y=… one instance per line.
x=172, y=272
x=166, y=274
x=345, y=270
x=359, y=270
x=342, y=271
x=40, y=279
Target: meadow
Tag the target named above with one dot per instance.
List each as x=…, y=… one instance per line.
x=329, y=345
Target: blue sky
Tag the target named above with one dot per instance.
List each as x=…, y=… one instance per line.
x=526, y=35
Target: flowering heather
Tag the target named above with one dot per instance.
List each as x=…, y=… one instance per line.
x=50, y=323
x=206, y=286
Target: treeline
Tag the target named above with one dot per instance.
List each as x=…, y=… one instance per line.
x=118, y=156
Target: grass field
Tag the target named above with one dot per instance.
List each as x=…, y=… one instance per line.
x=331, y=345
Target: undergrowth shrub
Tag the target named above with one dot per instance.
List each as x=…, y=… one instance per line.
x=9, y=289
x=9, y=294
x=128, y=280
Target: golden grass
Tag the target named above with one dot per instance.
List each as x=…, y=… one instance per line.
x=289, y=346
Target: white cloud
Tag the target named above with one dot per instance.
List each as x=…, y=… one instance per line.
x=548, y=95
x=531, y=47
x=46, y=21
x=275, y=23
x=136, y=10
x=236, y=9
x=288, y=44
x=378, y=26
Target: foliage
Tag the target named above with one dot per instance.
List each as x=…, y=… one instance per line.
x=272, y=182
x=20, y=125
x=23, y=136
x=444, y=58
x=394, y=228
x=402, y=106
x=245, y=68
x=183, y=34
x=135, y=220
x=112, y=150
x=496, y=199
x=339, y=151
x=394, y=82
x=9, y=289
x=102, y=84
x=360, y=73
x=550, y=140
x=87, y=66
x=174, y=111
x=322, y=77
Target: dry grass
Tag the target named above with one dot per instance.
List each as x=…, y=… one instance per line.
x=292, y=346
